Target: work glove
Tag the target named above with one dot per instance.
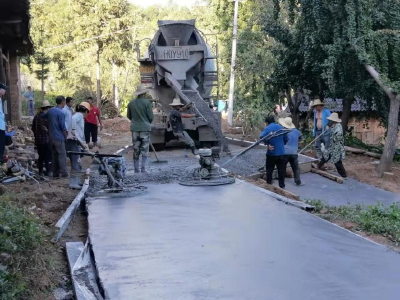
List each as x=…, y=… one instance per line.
x=322, y=147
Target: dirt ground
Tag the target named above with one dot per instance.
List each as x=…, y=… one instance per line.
x=48, y=201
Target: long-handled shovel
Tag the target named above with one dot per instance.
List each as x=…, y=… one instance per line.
x=158, y=161
x=301, y=151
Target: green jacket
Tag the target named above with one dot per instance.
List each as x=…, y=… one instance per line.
x=140, y=112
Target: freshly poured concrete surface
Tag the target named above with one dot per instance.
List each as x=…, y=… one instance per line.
x=231, y=242
x=335, y=194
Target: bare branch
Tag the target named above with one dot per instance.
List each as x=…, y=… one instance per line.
x=375, y=75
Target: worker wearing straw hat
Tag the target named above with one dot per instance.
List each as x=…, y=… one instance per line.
x=321, y=115
x=335, y=153
x=140, y=112
x=175, y=120
x=42, y=139
x=291, y=148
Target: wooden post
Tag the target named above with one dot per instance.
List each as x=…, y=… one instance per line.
x=2, y=71
x=277, y=190
x=328, y=175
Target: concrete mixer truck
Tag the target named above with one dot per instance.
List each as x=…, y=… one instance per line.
x=179, y=62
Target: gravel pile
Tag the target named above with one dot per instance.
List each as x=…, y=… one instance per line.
x=247, y=164
x=179, y=166
x=162, y=173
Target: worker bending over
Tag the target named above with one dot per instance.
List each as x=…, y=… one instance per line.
x=291, y=148
x=175, y=119
x=276, y=151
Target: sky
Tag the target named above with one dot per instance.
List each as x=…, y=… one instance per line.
x=146, y=3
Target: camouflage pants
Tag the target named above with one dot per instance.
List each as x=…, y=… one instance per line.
x=141, y=143
x=185, y=138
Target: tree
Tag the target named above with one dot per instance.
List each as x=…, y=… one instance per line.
x=254, y=96
x=339, y=48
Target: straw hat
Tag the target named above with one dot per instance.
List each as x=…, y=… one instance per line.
x=176, y=102
x=46, y=104
x=140, y=90
x=287, y=122
x=85, y=104
x=335, y=118
x=317, y=102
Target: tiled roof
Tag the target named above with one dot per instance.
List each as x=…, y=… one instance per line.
x=335, y=105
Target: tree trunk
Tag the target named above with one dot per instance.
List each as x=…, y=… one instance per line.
x=98, y=79
x=42, y=82
x=309, y=114
x=391, y=138
x=347, y=102
x=393, y=124
x=90, y=85
x=294, y=104
x=115, y=88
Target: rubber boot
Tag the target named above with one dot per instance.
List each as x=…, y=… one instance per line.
x=74, y=182
x=144, y=160
x=136, y=165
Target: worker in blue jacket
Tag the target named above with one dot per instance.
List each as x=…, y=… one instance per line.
x=276, y=151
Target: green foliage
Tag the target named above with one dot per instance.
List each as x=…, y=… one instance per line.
x=20, y=236
x=254, y=61
x=76, y=30
x=376, y=219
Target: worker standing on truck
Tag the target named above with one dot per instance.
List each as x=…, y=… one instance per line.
x=175, y=119
x=276, y=151
x=140, y=112
x=291, y=148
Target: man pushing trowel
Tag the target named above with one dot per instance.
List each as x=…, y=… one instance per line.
x=175, y=119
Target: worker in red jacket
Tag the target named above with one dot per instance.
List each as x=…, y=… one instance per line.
x=92, y=122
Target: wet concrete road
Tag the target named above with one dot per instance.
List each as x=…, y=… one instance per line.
x=350, y=192
x=231, y=242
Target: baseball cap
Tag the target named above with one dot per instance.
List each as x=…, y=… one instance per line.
x=3, y=86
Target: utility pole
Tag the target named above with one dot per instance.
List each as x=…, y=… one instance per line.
x=233, y=64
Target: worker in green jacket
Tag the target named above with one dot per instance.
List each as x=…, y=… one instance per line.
x=140, y=112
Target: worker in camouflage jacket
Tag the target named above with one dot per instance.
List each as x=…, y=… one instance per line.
x=336, y=152
x=140, y=112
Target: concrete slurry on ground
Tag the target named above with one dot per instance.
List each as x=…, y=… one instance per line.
x=349, y=193
x=231, y=242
